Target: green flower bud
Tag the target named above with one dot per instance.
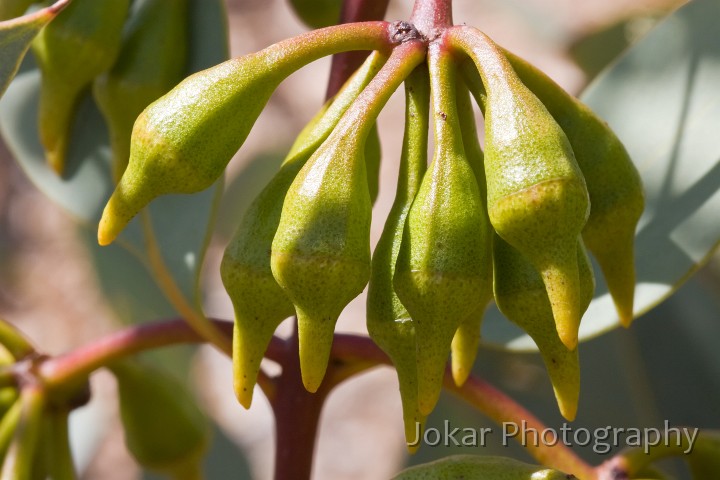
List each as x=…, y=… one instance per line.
x=388, y=322
x=521, y=297
x=537, y=199
x=373, y=155
x=321, y=251
x=80, y=44
x=467, y=337
x=164, y=429
x=151, y=61
x=444, y=253
x=613, y=183
x=478, y=467
x=260, y=304
x=182, y=142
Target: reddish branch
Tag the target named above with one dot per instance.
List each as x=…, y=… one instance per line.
x=344, y=64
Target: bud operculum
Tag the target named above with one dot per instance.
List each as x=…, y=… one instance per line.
x=443, y=255
x=321, y=250
x=388, y=322
x=259, y=302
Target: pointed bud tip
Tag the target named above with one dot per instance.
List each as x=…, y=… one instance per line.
x=570, y=340
x=56, y=161
x=568, y=328
x=414, y=431
x=463, y=350
x=114, y=218
x=412, y=449
x=105, y=234
x=427, y=403
x=311, y=382
x=566, y=389
x=244, y=395
x=568, y=411
x=459, y=374
x=315, y=338
x=625, y=312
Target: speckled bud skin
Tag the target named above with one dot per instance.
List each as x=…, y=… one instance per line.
x=613, y=183
x=443, y=256
x=321, y=250
x=373, y=156
x=151, y=61
x=80, y=44
x=521, y=297
x=182, y=142
x=259, y=302
x=536, y=195
x=467, y=337
x=388, y=322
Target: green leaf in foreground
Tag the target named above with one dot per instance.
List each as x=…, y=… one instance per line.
x=477, y=467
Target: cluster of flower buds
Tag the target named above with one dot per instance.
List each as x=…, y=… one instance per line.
x=510, y=223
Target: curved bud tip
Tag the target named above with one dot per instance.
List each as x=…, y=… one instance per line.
x=414, y=430
x=315, y=337
x=464, y=347
x=244, y=394
x=568, y=406
x=566, y=330
x=563, y=289
x=245, y=370
x=111, y=222
x=125, y=202
x=566, y=386
x=564, y=370
x=56, y=159
x=431, y=370
x=459, y=373
x=618, y=267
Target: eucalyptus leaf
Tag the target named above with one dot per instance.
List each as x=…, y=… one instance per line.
x=661, y=99
x=180, y=223
x=15, y=38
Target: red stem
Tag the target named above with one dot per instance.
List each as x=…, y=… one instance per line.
x=296, y=410
x=344, y=64
x=79, y=363
x=431, y=17
x=501, y=408
x=297, y=416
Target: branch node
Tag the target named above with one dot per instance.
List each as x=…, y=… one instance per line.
x=401, y=32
